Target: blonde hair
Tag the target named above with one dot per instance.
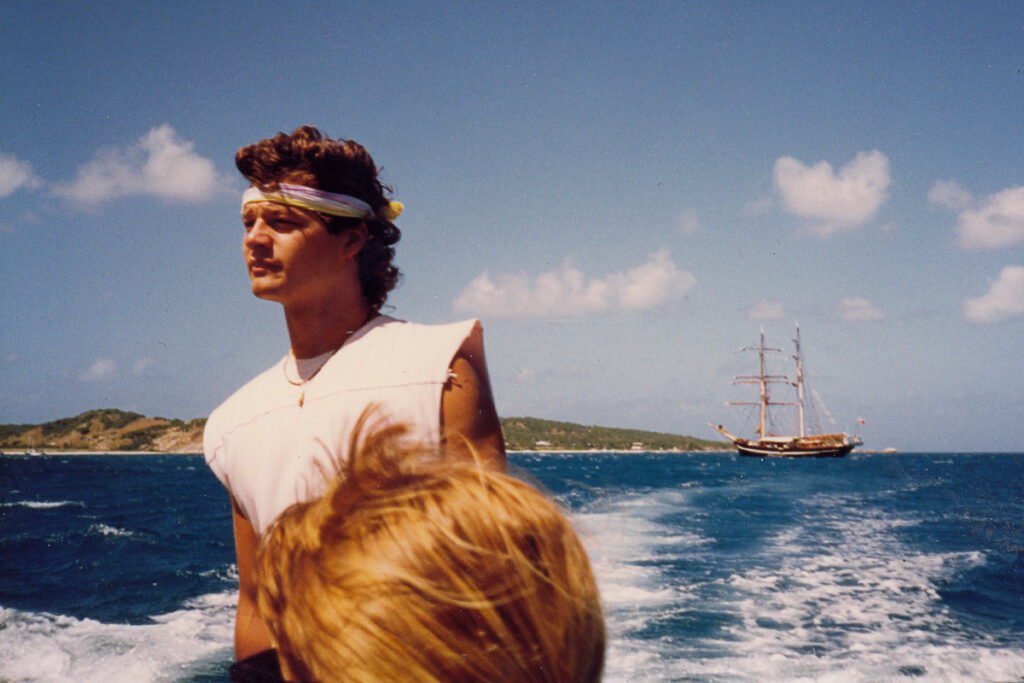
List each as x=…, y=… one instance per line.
x=416, y=567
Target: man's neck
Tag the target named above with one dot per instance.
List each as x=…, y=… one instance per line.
x=314, y=330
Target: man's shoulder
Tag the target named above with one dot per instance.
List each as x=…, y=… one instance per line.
x=404, y=330
x=394, y=352
x=403, y=341
x=250, y=398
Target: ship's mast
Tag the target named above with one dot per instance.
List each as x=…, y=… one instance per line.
x=762, y=379
x=799, y=383
x=764, y=390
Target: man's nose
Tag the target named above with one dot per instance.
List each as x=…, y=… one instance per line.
x=257, y=235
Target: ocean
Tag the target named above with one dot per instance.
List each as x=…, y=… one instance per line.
x=712, y=567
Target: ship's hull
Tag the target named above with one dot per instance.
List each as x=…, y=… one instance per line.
x=772, y=450
x=819, y=446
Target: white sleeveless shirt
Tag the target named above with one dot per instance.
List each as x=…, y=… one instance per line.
x=270, y=448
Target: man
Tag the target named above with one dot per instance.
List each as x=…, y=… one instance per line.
x=319, y=240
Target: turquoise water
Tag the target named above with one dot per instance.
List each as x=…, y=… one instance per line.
x=712, y=567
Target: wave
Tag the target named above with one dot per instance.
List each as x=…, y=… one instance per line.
x=48, y=648
x=107, y=530
x=43, y=504
x=710, y=569
x=845, y=598
x=628, y=547
x=834, y=594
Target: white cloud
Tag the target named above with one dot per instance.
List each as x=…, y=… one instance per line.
x=688, y=223
x=567, y=292
x=766, y=309
x=758, y=206
x=143, y=364
x=1004, y=300
x=949, y=194
x=102, y=369
x=996, y=221
x=160, y=164
x=15, y=175
x=840, y=200
x=857, y=310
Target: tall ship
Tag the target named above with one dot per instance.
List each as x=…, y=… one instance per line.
x=798, y=444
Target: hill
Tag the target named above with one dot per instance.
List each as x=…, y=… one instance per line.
x=107, y=431
x=112, y=430
x=531, y=433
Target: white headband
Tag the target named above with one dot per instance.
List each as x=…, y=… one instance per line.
x=323, y=202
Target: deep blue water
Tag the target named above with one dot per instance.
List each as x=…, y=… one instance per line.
x=712, y=567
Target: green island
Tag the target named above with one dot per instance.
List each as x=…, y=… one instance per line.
x=535, y=434
x=111, y=430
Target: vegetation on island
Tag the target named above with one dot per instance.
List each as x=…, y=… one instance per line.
x=105, y=431
x=111, y=430
x=534, y=434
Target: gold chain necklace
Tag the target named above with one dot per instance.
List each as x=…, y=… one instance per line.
x=304, y=381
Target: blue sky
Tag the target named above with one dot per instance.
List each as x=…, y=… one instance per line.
x=623, y=193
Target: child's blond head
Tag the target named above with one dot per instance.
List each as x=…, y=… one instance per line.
x=416, y=567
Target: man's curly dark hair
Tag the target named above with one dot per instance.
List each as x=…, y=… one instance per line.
x=308, y=157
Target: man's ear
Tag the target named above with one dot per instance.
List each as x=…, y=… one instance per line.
x=353, y=239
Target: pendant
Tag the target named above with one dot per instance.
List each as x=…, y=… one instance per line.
x=302, y=397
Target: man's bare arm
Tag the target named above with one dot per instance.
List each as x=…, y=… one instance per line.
x=251, y=636
x=468, y=416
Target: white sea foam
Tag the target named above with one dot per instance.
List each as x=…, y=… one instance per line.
x=46, y=648
x=107, y=530
x=228, y=574
x=847, y=601
x=626, y=544
x=42, y=504
x=835, y=597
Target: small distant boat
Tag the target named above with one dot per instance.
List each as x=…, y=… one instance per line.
x=800, y=444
